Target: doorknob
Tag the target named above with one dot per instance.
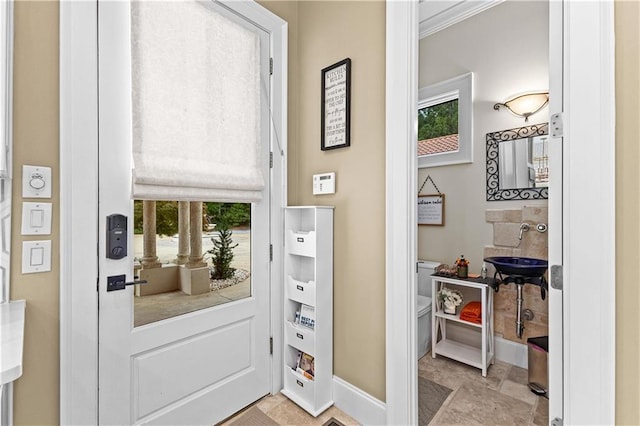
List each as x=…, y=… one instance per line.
x=118, y=282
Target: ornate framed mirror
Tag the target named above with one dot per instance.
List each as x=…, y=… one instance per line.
x=518, y=163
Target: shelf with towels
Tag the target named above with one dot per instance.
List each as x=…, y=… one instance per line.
x=442, y=344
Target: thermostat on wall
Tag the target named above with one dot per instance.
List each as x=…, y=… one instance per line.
x=324, y=183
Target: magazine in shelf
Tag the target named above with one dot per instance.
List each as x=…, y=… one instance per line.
x=306, y=365
x=307, y=316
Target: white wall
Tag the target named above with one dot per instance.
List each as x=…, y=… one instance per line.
x=506, y=48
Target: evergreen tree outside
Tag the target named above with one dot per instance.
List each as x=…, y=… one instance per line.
x=438, y=120
x=225, y=216
x=222, y=255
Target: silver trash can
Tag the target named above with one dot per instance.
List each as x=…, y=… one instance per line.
x=538, y=355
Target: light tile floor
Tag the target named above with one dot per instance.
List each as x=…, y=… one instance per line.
x=284, y=412
x=501, y=398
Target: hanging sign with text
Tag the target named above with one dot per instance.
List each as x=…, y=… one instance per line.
x=336, y=102
x=431, y=209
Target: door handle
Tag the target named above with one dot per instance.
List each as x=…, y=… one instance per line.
x=118, y=282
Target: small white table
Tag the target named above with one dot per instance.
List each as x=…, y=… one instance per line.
x=472, y=289
x=11, y=342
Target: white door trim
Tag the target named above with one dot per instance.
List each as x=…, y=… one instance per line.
x=588, y=227
x=401, y=192
x=589, y=174
x=79, y=216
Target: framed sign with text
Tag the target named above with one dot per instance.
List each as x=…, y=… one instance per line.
x=431, y=209
x=336, y=105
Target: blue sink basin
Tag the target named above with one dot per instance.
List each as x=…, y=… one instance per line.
x=519, y=266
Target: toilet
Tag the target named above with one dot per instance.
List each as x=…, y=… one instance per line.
x=425, y=269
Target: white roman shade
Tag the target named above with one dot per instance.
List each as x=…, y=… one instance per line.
x=195, y=104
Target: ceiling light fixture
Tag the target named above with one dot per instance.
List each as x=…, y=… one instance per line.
x=525, y=105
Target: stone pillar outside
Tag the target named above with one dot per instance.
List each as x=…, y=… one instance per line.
x=183, y=233
x=149, y=258
x=195, y=257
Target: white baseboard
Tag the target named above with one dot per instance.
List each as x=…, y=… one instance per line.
x=363, y=407
x=511, y=352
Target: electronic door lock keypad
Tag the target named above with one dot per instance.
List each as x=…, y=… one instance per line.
x=116, y=236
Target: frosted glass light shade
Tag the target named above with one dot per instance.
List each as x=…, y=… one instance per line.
x=525, y=105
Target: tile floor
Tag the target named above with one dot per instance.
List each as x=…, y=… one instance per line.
x=284, y=412
x=501, y=398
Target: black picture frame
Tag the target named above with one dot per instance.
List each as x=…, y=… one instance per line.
x=336, y=106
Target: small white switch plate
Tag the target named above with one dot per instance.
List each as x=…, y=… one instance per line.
x=36, y=218
x=36, y=256
x=324, y=183
x=36, y=182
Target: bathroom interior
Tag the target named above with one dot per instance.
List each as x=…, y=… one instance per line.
x=484, y=215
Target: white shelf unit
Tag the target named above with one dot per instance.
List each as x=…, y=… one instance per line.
x=308, y=272
x=480, y=357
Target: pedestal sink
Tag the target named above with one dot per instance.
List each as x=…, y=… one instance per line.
x=521, y=271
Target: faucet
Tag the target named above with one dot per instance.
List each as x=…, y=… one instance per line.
x=523, y=227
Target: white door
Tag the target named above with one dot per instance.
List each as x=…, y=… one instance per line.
x=200, y=366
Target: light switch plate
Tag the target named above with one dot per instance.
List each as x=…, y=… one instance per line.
x=36, y=218
x=36, y=182
x=324, y=183
x=36, y=256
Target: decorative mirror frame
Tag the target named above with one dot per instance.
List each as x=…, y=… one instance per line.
x=494, y=193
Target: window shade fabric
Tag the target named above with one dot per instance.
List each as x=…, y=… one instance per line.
x=195, y=104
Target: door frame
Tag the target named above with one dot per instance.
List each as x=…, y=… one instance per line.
x=79, y=214
x=588, y=174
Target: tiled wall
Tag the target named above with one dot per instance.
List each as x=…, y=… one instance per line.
x=506, y=227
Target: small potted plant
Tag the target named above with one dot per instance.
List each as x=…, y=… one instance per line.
x=462, y=267
x=450, y=299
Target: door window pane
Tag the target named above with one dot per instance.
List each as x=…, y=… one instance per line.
x=193, y=256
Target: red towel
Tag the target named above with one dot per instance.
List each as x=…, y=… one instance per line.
x=472, y=312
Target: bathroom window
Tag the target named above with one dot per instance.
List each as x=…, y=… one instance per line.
x=445, y=123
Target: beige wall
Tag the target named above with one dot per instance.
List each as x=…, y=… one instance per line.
x=36, y=142
x=507, y=56
x=329, y=32
x=321, y=34
x=627, y=212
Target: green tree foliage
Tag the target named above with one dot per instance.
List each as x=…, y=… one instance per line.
x=438, y=120
x=228, y=215
x=225, y=216
x=166, y=217
x=222, y=255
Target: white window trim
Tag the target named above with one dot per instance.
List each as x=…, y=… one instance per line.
x=460, y=88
